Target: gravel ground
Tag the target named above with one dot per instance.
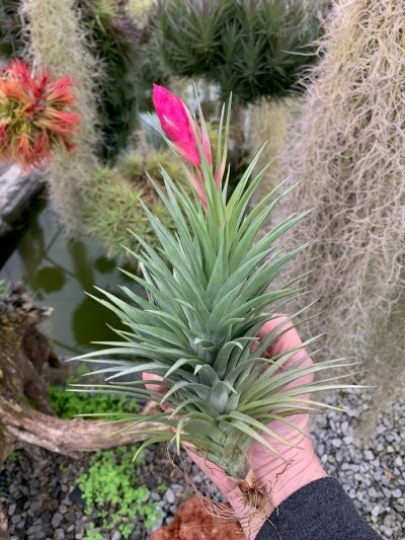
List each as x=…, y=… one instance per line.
x=43, y=502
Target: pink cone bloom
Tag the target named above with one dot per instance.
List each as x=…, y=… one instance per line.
x=179, y=126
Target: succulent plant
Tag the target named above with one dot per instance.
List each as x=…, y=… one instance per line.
x=208, y=286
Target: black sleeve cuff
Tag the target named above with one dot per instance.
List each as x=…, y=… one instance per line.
x=320, y=510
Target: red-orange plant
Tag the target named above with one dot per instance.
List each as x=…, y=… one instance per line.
x=35, y=115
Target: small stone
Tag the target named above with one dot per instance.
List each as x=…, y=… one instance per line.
x=76, y=496
x=375, y=511
x=198, y=478
x=59, y=534
x=337, y=443
x=385, y=481
x=15, y=519
x=55, y=491
x=368, y=455
x=116, y=535
x=399, y=461
x=34, y=484
x=70, y=516
x=397, y=493
x=57, y=520
x=35, y=507
x=11, y=509
x=46, y=517
x=170, y=496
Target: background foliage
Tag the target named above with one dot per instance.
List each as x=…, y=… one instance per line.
x=10, y=29
x=113, y=38
x=251, y=48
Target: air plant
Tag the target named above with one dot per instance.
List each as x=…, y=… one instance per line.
x=207, y=285
x=35, y=115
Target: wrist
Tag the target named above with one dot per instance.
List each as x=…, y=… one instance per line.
x=296, y=474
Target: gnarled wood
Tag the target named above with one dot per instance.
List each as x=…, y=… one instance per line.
x=67, y=437
x=23, y=351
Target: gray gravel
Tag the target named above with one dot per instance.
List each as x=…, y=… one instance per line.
x=43, y=502
x=372, y=471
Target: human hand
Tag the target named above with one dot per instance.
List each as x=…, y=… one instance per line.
x=278, y=477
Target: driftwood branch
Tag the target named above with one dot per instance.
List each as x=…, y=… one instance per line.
x=68, y=437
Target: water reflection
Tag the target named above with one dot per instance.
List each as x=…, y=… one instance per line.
x=58, y=271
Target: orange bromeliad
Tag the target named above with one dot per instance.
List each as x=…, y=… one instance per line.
x=34, y=115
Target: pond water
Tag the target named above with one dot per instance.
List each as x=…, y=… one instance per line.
x=58, y=272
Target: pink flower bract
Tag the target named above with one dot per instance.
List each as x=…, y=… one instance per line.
x=33, y=115
x=179, y=126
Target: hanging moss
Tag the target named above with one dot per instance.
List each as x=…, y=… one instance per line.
x=348, y=154
x=113, y=37
x=57, y=41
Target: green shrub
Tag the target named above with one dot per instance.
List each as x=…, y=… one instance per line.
x=254, y=48
x=13, y=457
x=115, y=208
x=92, y=533
x=110, y=487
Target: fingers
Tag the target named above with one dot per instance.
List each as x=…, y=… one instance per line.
x=289, y=338
x=288, y=341
x=153, y=377
x=216, y=474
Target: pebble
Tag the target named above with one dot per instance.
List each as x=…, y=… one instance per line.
x=11, y=509
x=368, y=455
x=170, y=496
x=56, y=520
x=399, y=461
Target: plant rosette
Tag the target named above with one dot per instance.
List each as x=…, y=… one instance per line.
x=35, y=115
x=196, y=334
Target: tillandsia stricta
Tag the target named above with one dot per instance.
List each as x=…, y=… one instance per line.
x=35, y=114
x=208, y=286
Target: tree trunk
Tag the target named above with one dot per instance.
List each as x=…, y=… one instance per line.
x=23, y=352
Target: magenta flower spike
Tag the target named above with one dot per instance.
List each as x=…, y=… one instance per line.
x=180, y=127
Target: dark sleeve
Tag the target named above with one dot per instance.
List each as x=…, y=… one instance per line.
x=319, y=511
